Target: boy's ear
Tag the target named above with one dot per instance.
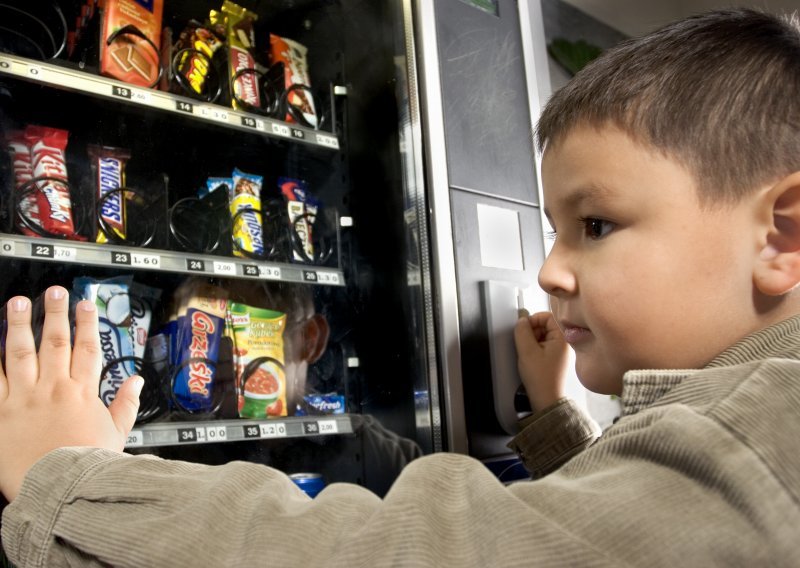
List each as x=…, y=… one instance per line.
x=778, y=266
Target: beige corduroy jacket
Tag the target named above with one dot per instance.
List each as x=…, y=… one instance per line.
x=702, y=469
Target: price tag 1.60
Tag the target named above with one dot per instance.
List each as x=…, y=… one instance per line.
x=145, y=260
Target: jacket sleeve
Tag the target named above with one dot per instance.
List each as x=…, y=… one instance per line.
x=88, y=507
x=551, y=437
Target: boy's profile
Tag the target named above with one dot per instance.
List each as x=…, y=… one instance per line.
x=671, y=175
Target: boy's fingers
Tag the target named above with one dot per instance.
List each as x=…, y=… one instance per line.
x=87, y=358
x=125, y=405
x=55, y=349
x=20, y=360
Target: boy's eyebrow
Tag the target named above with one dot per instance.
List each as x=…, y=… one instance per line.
x=593, y=193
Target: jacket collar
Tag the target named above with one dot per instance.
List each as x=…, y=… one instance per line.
x=642, y=388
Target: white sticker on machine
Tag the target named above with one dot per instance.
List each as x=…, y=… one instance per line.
x=500, y=237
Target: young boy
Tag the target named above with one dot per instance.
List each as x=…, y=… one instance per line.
x=672, y=175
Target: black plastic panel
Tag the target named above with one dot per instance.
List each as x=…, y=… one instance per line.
x=485, y=98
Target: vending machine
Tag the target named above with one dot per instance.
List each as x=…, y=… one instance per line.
x=308, y=224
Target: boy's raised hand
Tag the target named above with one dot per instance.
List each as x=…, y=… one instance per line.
x=51, y=401
x=541, y=358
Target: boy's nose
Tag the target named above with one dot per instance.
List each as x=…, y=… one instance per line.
x=556, y=276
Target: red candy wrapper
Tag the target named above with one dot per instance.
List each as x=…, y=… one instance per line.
x=47, y=146
x=290, y=57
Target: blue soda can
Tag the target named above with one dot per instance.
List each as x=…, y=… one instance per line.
x=310, y=483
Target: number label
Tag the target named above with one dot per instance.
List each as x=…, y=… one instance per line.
x=135, y=438
x=297, y=133
x=183, y=106
x=7, y=248
x=252, y=431
x=187, y=435
x=42, y=251
x=195, y=265
x=122, y=92
x=120, y=258
x=249, y=121
x=250, y=270
x=309, y=276
x=311, y=428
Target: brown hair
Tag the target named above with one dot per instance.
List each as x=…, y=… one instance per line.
x=718, y=92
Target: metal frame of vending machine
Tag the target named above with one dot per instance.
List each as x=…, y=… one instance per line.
x=483, y=79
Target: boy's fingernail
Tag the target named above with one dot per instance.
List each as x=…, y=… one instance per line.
x=523, y=313
x=20, y=304
x=87, y=306
x=138, y=384
x=57, y=293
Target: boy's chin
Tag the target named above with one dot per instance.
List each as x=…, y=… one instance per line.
x=598, y=381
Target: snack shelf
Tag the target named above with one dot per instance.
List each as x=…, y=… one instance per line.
x=63, y=251
x=216, y=431
x=61, y=77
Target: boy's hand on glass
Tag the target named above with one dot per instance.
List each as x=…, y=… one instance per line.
x=51, y=400
x=541, y=358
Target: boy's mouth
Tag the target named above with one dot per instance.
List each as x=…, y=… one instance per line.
x=574, y=333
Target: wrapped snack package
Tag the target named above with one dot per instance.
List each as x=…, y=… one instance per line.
x=114, y=316
x=47, y=147
x=288, y=59
x=108, y=169
x=128, y=57
x=245, y=205
x=302, y=209
x=143, y=301
x=241, y=44
x=258, y=346
x=200, y=331
x=316, y=404
x=194, y=64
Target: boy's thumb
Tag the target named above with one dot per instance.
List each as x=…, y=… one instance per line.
x=125, y=405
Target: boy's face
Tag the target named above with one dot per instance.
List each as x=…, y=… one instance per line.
x=640, y=276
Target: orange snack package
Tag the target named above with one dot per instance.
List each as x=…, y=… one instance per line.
x=125, y=54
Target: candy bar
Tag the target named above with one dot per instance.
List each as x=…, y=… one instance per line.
x=47, y=147
x=108, y=166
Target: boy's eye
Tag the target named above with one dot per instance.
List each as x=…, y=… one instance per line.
x=597, y=228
